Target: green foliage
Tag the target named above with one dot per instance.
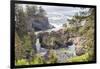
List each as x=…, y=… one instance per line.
x=37, y=59
x=52, y=57
x=86, y=31
x=27, y=42
x=82, y=58
x=88, y=56
x=20, y=21
x=31, y=10
x=32, y=37
x=22, y=62
x=19, y=50
x=81, y=31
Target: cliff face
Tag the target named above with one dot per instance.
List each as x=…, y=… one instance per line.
x=38, y=23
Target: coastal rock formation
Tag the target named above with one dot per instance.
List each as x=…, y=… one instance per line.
x=38, y=23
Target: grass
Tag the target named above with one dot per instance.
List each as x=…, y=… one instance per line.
x=82, y=58
x=22, y=62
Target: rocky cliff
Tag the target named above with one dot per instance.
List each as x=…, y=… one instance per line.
x=38, y=23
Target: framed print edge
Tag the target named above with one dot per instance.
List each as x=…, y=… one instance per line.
x=12, y=34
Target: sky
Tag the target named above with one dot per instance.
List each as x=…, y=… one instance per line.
x=58, y=15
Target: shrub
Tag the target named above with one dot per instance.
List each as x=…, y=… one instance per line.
x=52, y=57
x=22, y=62
x=19, y=51
x=37, y=59
x=85, y=57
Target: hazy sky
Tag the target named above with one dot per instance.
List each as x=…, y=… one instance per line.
x=58, y=15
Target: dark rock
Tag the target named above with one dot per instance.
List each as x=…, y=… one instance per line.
x=69, y=43
x=41, y=24
x=38, y=23
x=79, y=51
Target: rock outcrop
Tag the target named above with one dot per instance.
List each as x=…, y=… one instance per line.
x=38, y=23
x=79, y=42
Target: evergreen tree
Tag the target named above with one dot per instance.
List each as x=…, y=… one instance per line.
x=20, y=21
x=41, y=11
